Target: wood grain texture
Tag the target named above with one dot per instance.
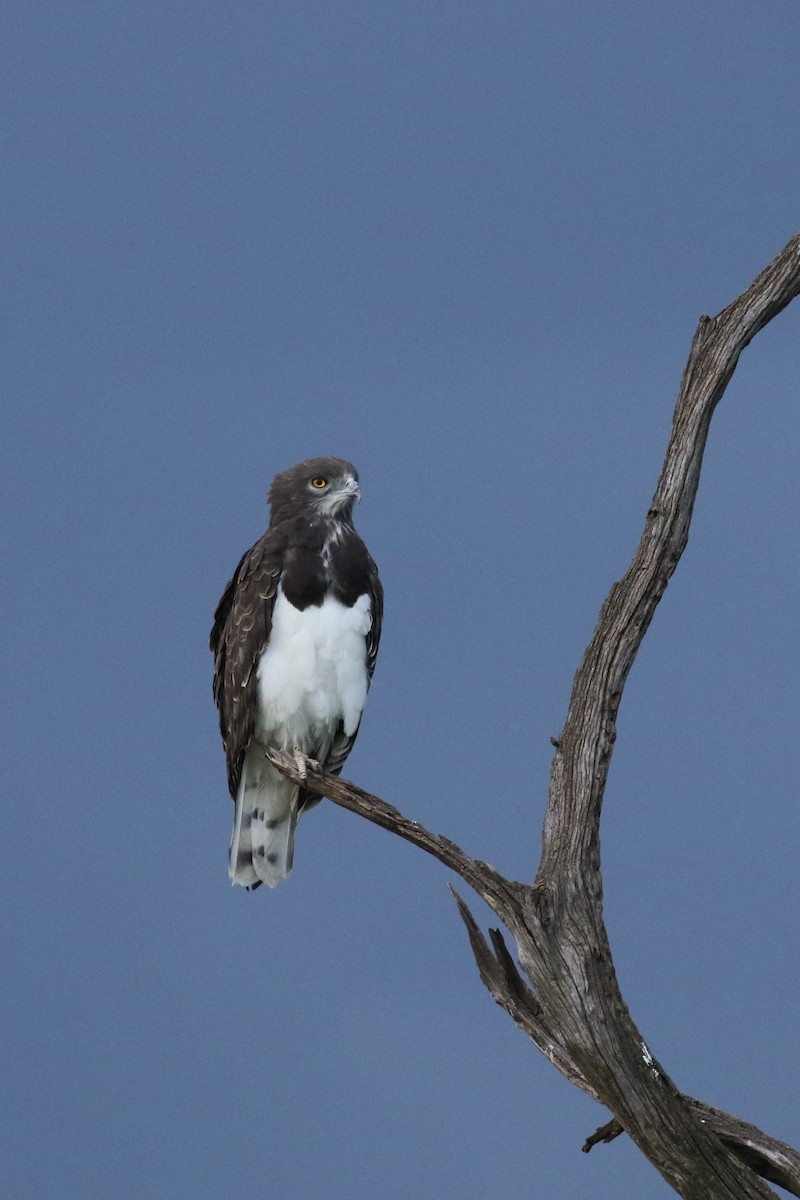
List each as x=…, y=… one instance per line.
x=570, y=1005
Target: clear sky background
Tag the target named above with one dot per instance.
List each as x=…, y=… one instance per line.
x=465, y=245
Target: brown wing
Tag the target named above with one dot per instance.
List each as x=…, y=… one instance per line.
x=342, y=744
x=241, y=630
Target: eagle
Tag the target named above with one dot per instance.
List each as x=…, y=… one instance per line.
x=294, y=640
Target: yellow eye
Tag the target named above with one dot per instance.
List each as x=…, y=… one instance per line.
x=319, y=483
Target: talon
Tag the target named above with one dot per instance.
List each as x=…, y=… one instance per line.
x=301, y=762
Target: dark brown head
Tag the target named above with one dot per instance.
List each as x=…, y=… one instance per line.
x=324, y=487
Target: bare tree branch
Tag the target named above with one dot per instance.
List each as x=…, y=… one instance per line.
x=772, y=1159
x=605, y=1134
x=488, y=883
x=573, y=1008
x=566, y=951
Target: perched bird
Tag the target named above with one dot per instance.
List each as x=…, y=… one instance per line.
x=295, y=639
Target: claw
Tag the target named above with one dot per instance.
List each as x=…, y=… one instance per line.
x=301, y=762
x=297, y=758
x=304, y=764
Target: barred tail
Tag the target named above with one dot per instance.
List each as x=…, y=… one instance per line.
x=262, y=844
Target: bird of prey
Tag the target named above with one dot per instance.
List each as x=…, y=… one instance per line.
x=295, y=639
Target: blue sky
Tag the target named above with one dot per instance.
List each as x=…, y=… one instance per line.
x=466, y=246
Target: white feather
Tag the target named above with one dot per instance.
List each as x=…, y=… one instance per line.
x=312, y=675
x=262, y=843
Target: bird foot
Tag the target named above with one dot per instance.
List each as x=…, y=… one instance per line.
x=304, y=764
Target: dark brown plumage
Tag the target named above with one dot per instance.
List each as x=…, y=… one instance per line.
x=310, y=552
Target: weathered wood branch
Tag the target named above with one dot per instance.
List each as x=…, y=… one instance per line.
x=772, y=1159
x=497, y=891
x=573, y=1008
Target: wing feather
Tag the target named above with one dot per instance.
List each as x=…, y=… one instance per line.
x=242, y=624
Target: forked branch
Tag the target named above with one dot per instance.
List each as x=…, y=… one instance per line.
x=572, y=1007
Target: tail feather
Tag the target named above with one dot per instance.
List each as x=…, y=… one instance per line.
x=262, y=844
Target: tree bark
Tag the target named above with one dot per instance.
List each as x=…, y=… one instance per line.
x=571, y=1006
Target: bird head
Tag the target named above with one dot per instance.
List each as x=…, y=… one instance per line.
x=326, y=487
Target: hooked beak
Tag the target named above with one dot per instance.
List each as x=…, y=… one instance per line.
x=352, y=489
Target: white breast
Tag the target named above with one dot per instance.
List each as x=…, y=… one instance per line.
x=313, y=673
